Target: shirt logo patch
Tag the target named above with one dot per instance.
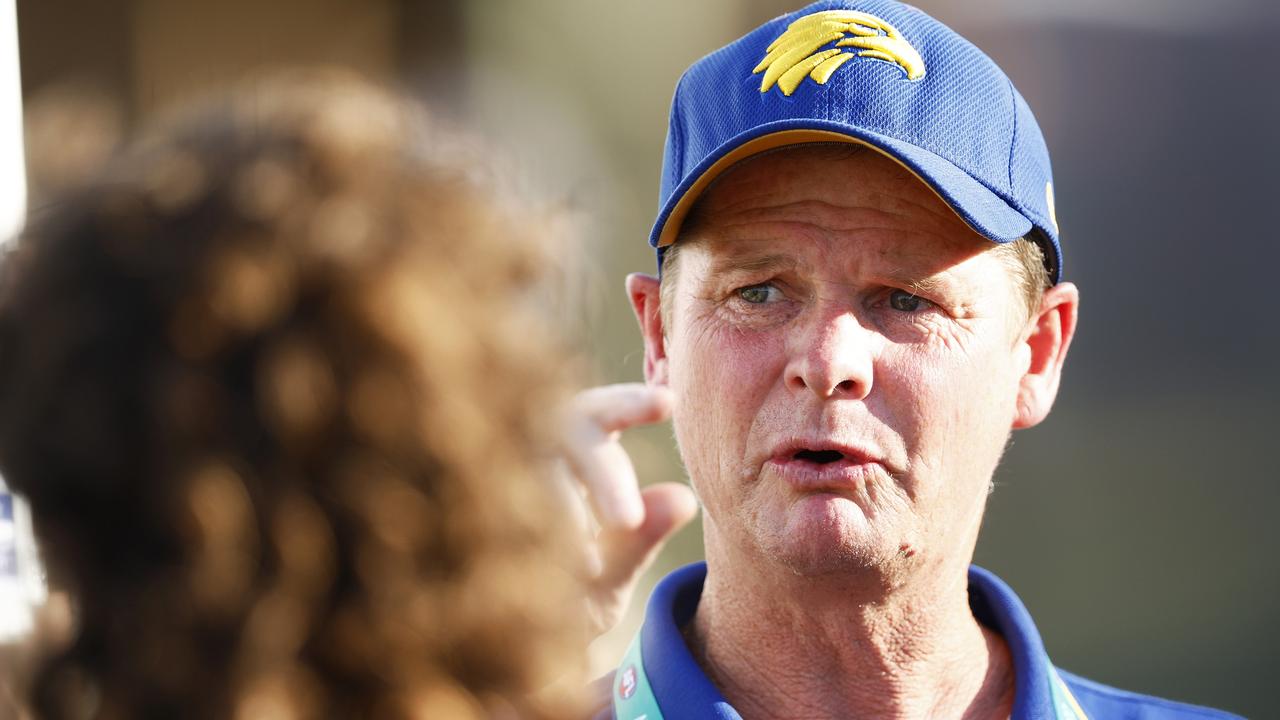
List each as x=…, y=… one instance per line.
x=795, y=54
x=627, y=683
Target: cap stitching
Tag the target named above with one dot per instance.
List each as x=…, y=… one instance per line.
x=677, y=127
x=1013, y=141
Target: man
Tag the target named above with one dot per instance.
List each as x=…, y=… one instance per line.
x=860, y=297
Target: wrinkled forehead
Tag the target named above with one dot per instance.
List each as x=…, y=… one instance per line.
x=825, y=201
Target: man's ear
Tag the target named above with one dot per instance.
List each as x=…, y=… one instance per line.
x=1045, y=341
x=646, y=300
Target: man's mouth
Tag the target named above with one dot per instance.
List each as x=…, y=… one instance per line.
x=819, y=457
x=824, y=466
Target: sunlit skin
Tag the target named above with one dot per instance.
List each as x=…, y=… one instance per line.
x=829, y=302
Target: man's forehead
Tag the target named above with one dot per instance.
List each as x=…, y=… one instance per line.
x=906, y=263
x=828, y=186
x=815, y=235
x=753, y=178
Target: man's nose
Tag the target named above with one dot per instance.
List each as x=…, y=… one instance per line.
x=832, y=357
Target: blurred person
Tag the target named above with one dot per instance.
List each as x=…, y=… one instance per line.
x=280, y=387
x=860, y=297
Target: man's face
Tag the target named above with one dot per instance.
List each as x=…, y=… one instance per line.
x=846, y=356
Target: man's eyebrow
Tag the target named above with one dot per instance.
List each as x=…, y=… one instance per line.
x=750, y=263
x=917, y=284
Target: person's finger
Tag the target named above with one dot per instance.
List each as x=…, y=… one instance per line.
x=625, y=554
x=605, y=470
x=586, y=562
x=596, y=458
x=618, y=407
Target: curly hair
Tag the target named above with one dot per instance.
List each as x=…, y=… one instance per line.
x=277, y=389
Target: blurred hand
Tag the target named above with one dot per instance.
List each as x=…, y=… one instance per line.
x=633, y=523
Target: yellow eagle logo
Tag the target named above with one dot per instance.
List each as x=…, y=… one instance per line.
x=795, y=55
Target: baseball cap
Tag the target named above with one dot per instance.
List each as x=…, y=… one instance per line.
x=872, y=72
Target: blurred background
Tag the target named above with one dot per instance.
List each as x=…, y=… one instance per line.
x=1137, y=523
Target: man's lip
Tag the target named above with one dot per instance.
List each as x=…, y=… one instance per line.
x=853, y=469
x=840, y=477
x=853, y=455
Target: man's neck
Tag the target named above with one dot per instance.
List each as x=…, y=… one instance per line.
x=795, y=647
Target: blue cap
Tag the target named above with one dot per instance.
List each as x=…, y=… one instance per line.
x=877, y=73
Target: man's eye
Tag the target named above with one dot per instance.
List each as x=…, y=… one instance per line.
x=905, y=301
x=758, y=294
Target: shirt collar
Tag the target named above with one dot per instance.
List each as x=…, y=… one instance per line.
x=660, y=680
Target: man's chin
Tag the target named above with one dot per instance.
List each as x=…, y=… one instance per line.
x=827, y=534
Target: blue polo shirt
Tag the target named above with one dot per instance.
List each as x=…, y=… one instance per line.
x=659, y=679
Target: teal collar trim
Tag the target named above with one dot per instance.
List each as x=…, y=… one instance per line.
x=1065, y=706
x=633, y=697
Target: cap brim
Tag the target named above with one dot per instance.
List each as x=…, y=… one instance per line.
x=980, y=208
